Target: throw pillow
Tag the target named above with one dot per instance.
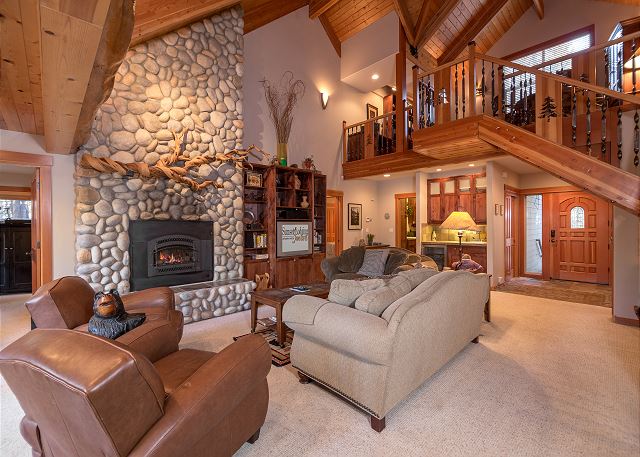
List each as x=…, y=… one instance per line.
x=374, y=262
x=417, y=275
x=351, y=259
x=346, y=291
x=395, y=259
x=376, y=301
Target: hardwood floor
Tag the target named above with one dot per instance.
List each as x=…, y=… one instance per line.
x=576, y=292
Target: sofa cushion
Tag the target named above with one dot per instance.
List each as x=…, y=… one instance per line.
x=346, y=292
x=350, y=259
x=417, y=276
x=395, y=259
x=374, y=262
x=348, y=276
x=377, y=300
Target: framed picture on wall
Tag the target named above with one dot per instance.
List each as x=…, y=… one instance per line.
x=372, y=111
x=355, y=216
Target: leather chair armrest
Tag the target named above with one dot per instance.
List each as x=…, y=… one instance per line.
x=153, y=339
x=31, y=434
x=330, y=267
x=160, y=297
x=207, y=397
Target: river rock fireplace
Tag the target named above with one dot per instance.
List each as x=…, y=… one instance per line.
x=167, y=253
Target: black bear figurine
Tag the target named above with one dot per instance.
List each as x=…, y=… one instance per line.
x=110, y=320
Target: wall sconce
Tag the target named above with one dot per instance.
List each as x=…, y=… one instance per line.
x=442, y=97
x=324, y=99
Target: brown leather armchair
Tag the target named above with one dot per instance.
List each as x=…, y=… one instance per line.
x=67, y=303
x=84, y=395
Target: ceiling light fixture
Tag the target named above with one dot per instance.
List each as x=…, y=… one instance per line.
x=375, y=76
x=438, y=169
x=472, y=164
x=386, y=175
x=393, y=88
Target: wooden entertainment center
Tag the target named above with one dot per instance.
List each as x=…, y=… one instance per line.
x=275, y=194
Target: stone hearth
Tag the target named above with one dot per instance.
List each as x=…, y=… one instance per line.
x=190, y=78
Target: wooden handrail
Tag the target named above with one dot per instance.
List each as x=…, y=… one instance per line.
x=563, y=79
x=373, y=119
x=442, y=67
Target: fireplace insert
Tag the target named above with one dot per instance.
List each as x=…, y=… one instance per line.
x=167, y=253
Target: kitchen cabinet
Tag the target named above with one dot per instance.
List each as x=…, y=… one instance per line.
x=459, y=193
x=435, y=202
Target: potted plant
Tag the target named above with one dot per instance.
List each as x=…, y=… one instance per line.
x=370, y=237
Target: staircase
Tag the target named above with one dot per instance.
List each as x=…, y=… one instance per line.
x=482, y=106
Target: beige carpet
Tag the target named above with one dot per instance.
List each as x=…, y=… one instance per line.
x=547, y=379
x=572, y=291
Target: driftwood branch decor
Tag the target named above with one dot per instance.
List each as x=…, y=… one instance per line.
x=176, y=166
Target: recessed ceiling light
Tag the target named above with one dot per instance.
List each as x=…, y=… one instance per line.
x=393, y=88
x=438, y=169
x=386, y=175
x=472, y=164
x=375, y=76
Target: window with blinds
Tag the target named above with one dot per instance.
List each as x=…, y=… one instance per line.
x=614, y=61
x=515, y=87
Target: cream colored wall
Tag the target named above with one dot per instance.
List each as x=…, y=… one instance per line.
x=63, y=197
x=387, y=190
x=535, y=180
x=298, y=44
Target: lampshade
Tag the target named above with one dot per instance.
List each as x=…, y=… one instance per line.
x=460, y=220
x=629, y=64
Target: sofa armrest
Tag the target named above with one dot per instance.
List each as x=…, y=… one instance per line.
x=208, y=397
x=154, y=339
x=302, y=309
x=348, y=330
x=330, y=267
x=157, y=297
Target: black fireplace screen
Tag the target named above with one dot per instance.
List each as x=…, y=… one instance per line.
x=167, y=253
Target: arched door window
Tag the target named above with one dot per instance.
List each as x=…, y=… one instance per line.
x=577, y=217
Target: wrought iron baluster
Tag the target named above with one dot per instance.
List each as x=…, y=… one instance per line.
x=606, y=67
x=513, y=98
x=482, y=87
x=430, y=101
x=494, y=100
x=456, y=89
x=603, y=132
x=464, y=87
x=633, y=66
x=503, y=91
x=574, y=116
x=636, y=138
x=525, y=103
x=619, y=66
x=532, y=105
x=619, y=131
x=588, y=123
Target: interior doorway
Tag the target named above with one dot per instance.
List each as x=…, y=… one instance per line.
x=511, y=234
x=335, y=200
x=406, y=221
x=37, y=253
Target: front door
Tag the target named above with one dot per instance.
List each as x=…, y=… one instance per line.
x=579, y=234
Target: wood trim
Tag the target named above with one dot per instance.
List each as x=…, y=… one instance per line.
x=15, y=193
x=626, y=321
x=542, y=190
x=539, y=7
x=397, y=198
x=591, y=29
x=318, y=7
x=25, y=159
x=339, y=196
x=424, y=32
x=405, y=20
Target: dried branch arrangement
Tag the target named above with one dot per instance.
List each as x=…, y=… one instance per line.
x=176, y=166
x=281, y=100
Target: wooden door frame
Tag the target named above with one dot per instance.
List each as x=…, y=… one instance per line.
x=339, y=196
x=516, y=223
x=398, y=197
x=42, y=163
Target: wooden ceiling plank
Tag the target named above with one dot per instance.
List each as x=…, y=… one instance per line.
x=31, y=29
x=539, y=7
x=477, y=23
x=333, y=38
x=405, y=20
x=318, y=7
x=432, y=26
x=260, y=12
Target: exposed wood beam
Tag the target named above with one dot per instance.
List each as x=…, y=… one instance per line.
x=260, y=12
x=474, y=27
x=157, y=17
x=318, y=7
x=539, y=7
x=405, y=20
x=326, y=25
x=425, y=61
x=426, y=29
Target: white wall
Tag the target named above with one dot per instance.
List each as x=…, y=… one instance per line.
x=63, y=197
x=387, y=189
x=535, y=180
x=560, y=17
x=300, y=45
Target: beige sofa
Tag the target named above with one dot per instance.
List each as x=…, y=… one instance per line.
x=376, y=361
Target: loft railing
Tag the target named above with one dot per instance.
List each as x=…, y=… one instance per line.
x=578, y=111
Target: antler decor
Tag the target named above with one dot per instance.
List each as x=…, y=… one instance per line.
x=176, y=166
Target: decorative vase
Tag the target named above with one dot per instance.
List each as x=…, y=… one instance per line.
x=304, y=203
x=282, y=152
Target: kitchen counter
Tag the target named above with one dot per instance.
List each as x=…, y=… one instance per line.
x=448, y=243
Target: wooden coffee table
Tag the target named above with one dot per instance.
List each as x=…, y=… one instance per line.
x=276, y=298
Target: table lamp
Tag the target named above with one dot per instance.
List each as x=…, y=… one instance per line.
x=460, y=221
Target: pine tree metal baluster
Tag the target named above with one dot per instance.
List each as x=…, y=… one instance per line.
x=619, y=131
x=588, y=123
x=482, y=87
x=636, y=138
x=494, y=100
x=464, y=86
x=456, y=89
x=603, y=126
x=574, y=116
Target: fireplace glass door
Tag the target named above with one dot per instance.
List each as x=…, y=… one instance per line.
x=173, y=254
